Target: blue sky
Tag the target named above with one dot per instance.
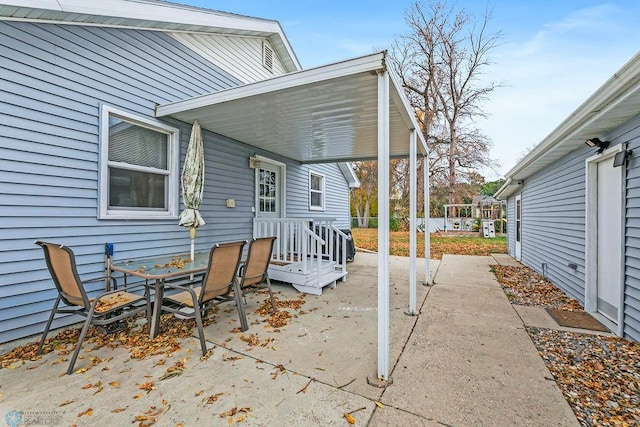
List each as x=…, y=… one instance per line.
x=554, y=54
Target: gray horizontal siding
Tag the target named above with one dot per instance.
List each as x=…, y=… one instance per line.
x=511, y=226
x=553, y=218
x=336, y=193
x=553, y=223
x=631, y=132
x=53, y=80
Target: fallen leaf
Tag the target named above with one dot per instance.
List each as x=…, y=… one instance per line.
x=378, y=404
x=213, y=398
x=114, y=383
x=171, y=374
x=88, y=412
x=118, y=410
x=66, y=402
x=148, y=386
x=303, y=390
x=350, y=418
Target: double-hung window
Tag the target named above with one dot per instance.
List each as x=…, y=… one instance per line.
x=316, y=191
x=139, y=167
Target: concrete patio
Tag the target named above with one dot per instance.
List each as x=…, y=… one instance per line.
x=464, y=360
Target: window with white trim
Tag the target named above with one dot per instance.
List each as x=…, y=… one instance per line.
x=316, y=191
x=138, y=168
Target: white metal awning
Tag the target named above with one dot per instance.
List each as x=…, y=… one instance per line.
x=324, y=114
x=351, y=110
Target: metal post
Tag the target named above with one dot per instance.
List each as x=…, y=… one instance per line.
x=383, y=226
x=412, y=223
x=446, y=210
x=427, y=214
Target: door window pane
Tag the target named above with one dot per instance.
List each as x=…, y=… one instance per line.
x=268, y=192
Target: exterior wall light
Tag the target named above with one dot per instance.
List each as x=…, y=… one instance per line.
x=622, y=157
x=595, y=142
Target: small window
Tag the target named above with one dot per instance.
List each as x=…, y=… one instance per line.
x=267, y=56
x=316, y=191
x=138, y=173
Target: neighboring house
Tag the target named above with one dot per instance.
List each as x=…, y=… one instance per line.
x=574, y=208
x=86, y=158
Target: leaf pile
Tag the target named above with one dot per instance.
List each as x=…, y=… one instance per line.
x=524, y=286
x=133, y=337
x=177, y=262
x=281, y=316
x=599, y=376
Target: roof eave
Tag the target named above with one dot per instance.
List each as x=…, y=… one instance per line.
x=605, y=98
x=366, y=63
x=349, y=174
x=150, y=15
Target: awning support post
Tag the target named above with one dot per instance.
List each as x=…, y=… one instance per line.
x=412, y=223
x=383, y=226
x=427, y=229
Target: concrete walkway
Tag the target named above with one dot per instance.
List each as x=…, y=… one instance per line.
x=469, y=360
x=464, y=360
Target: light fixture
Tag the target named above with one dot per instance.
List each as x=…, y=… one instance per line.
x=595, y=142
x=621, y=158
x=254, y=162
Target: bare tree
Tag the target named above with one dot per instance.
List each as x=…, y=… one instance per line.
x=364, y=197
x=440, y=62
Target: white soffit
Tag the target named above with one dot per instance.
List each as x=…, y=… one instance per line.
x=324, y=114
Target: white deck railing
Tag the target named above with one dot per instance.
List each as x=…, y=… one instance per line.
x=308, y=241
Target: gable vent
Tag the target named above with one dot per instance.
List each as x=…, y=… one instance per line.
x=267, y=56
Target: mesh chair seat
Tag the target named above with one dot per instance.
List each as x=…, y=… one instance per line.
x=112, y=302
x=184, y=297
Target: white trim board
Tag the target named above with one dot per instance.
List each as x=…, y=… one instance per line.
x=591, y=233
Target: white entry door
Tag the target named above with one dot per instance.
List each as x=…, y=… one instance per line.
x=609, y=239
x=518, y=230
x=269, y=190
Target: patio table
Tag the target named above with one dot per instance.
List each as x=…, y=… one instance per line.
x=160, y=269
